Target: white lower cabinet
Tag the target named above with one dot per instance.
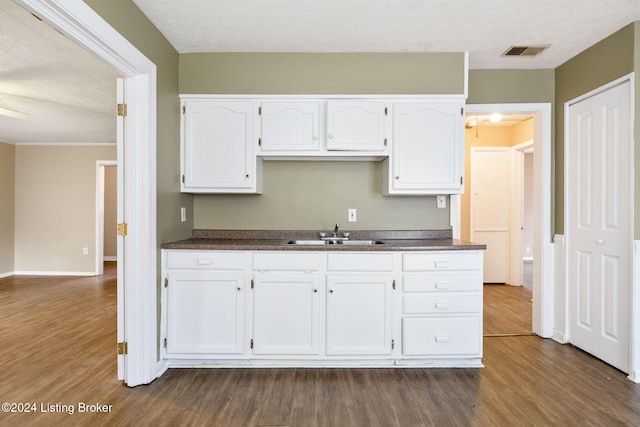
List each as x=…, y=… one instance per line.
x=307, y=308
x=286, y=314
x=442, y=305
x=205, y=314
x=359, y=315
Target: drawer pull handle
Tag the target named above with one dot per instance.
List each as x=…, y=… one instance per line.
x=442, y=339
x=441, y=264
x=204, y=261
x=442, y=286
x=442, y=305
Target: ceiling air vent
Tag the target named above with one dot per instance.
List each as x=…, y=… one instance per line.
x=525, y=50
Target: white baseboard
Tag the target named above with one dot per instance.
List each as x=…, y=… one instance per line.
x=110, y=258
x=8, y=274
x=55, y=273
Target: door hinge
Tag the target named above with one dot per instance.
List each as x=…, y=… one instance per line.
x=393, y=344
x=123, y=348
x=385, y=142
x=184, y=109
x=122, y=229
x=259, y=142
x=251, y=342
x=386, y=110
x=462, y=111
x=166, y=282
x=394, y=284
x=251, y=283
x=259, y=111
x=461, y=180
x=164, y=343
x=122, y=110
x=183, y=179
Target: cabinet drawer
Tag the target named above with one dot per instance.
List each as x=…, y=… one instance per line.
x=360, y=262
x=441, y=282
x=441, y=261
x=441, y=336
x=289, y=261
x=440, y=304
x=203, y=260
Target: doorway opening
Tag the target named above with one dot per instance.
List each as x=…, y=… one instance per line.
x=106, y=213
x=542, y=247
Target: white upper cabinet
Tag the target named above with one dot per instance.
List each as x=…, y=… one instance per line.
x=428, y=149
x=218, y=137
x=357, y=125
x=290, y=125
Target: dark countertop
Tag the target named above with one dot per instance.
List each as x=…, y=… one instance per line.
x=277, y=240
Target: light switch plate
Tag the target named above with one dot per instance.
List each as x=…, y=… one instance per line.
x=352, y=215
x=441, y=201
x=183, y=214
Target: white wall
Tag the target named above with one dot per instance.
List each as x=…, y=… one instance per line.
x=55, y=191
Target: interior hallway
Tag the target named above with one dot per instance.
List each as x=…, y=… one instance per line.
x=58, y=337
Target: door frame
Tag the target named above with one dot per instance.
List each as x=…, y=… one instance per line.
x=137, y=158
x=634, y=292
x=101, y=166
x=543, y=249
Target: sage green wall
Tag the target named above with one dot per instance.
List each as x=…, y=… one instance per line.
x=602, y=63
x=7, y=207
x=128, y=20
x=316, y=195
x=322, y=73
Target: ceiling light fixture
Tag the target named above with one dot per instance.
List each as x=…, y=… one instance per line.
x=495, y=117
x=13, y=113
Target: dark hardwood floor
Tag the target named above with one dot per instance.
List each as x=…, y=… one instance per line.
x=57, y=337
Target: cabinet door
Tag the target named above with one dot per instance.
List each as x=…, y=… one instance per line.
x=205, y=313
x=217, y=150
x=356, y=125
x=286, y=314
x=359, y=315
x=428, y=149
x=290, y=126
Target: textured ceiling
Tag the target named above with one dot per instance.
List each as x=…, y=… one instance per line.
x=68, y=94
x=484, y=28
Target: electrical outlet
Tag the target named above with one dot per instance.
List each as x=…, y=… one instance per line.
x=352, y=215
x=183, y=214
x=441, y=201
x=85, y=251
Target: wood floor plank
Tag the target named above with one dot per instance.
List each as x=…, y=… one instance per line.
x=57, y=336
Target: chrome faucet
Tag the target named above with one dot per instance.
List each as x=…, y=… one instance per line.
x=335, y=230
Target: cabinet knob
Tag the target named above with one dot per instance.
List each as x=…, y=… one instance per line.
x=330, y=291
x=330, y=135
x=397, y=177
x=238, y=288
x=315, y=290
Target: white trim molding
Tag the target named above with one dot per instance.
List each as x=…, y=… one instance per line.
x=560, y=295
x=137, y=155
x=634, y=359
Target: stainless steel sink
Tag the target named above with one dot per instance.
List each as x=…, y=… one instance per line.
x=308, y=242
x=361, y=242
x=339, y=242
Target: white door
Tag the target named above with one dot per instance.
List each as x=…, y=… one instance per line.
x=286, y=314
x=120, y=241
x=359, y=315
x=490, y=217
x=599, y=224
